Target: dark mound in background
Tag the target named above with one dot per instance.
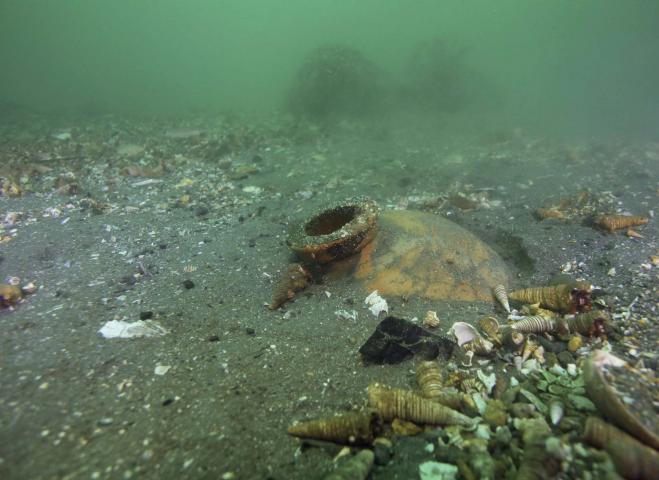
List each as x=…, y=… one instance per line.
x=335, y=81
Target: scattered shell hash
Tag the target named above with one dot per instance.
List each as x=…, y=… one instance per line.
x=502, y=297
x=631, y=458
x=566, y=297
x=618, y=222
x=359, y=428
x=294, y=279
x=355, y=468
x=404, y=404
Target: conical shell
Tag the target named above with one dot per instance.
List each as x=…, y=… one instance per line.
x=502, y=297
x=618, y=222
x=632, y=458
x=396, y=403
x=350, y=428
x=429, y=378
x=534, y=324
x=529, y=348
x=294, y=279
x=565, y=297
x=479, y=346
x=355, y=468
x=590, y=324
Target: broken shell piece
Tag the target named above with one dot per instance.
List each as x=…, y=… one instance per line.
x=502, y=297
x=396, y=403
x=10, y=295
x=512, y=338
x=633, y=233
x=534, y=324
x=294, y=279
x=612, y=223
x=530, y=347
x=355, y=468
x=631, y=458
x=431, y=320
x=565, y=297
x=468, y=338
x=350, y=428
x=29, y=288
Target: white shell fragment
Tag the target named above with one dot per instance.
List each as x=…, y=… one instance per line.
x=140, y=328
x=556, y=411
x=376, y=304
x=463, y=332
x=488, y=380
x=161, y=369
x=437, y=471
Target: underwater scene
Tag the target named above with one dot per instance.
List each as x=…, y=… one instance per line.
x=329, y=239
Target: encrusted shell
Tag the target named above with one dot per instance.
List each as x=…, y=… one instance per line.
x=356, y=467
x=592, y=323
x=566, y=297
x=502, y=297
x=396, y=403
x=350, y=428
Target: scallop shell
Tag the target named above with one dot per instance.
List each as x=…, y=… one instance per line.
x=502, y=297
x=566, y=297
x=350, y=428
x=404, y=404
x=618, y=222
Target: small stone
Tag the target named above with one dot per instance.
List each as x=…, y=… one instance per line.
x=495, y=414
x=574, y=343
x=188, y=284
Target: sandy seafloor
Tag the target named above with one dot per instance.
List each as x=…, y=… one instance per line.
x=74, y=405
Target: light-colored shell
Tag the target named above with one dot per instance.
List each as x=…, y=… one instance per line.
x=530, y=346
x=396, y=403
x=556, y=412
x=502, y=297
x=565, y=297
x=431, y=320
x=351, y=428
x=534, y=324
x=470, y=339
